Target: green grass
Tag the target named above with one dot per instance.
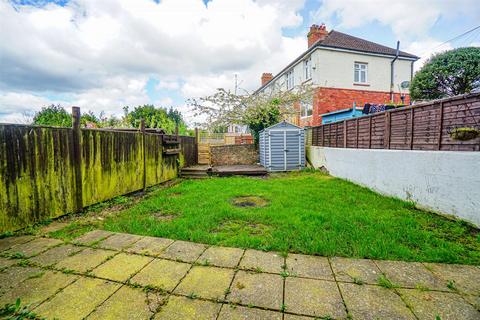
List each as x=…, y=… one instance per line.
x=307, y=212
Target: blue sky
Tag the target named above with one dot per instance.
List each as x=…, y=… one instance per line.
x=103, y=55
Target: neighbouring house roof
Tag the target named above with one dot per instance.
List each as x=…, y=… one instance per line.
x=340, y=40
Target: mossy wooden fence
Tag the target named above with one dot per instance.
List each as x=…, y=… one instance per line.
x=42, y=175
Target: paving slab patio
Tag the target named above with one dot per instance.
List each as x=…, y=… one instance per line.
x=146, y=277
x=431, y=304
x=77, y=300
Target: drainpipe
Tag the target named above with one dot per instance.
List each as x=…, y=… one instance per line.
x=392, y=70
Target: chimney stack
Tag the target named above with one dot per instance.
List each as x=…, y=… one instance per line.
x=266, y=77
x=317, y=32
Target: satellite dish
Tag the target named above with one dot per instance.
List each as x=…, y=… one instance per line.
x=405, y=84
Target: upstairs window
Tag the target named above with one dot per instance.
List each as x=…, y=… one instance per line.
x=306, y=109
x=290, y=80
x=360, y=73
x=308, y=68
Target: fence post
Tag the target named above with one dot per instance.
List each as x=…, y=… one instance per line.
x=369, y=132
x=344, y=133
x=77, y=157
x=412, y=110
x=356, y=138
x=323, y=135
x=144, y=145
x=440, y=126
x=196, y=145
x=387, y=130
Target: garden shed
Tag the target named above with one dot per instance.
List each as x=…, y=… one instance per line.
x=282, y=147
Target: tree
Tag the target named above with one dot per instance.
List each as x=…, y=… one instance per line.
x=57, y=116
x=447, y=74
x=53, y=115
x=155, y=118
x=257, y=111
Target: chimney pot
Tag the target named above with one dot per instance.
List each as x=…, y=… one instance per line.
x=317, y=33
x=266, y=77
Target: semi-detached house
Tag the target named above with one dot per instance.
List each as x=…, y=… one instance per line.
x=344, y=70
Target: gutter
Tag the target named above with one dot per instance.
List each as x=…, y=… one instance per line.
x=392, y=70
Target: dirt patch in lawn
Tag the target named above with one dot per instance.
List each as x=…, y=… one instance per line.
x=164, y=217
x=240, y=226
x=250, y=202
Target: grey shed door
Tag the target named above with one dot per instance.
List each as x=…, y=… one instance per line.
x=285, y=149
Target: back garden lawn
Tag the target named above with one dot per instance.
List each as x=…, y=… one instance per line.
x=306, y=212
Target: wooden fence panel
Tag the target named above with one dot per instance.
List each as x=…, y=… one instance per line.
x=189, y=150
x=425, y=126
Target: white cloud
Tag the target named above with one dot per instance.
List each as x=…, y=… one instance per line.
x=409, y=19
x=425, y=49
x=101, y=53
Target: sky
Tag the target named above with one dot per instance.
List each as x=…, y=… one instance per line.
x=102, y=55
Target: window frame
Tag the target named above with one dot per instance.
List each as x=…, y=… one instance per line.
x=307, y=66
x=307, y=109
x=290, y=79
x=360, y=70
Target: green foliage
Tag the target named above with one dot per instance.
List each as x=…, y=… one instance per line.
x=53, y=115
x=156, y=118
x=447, y=74
x=261, y=118
x=17, y=311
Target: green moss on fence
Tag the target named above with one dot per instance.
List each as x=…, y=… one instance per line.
x=37, y=170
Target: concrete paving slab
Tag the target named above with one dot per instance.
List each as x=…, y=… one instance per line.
x=5, y=262
x=188, y=309
x=55, y=255
x=257, y=289
x=411, y=275
x=52, y=227
x=183, y=251
x=119, y=241
x=466, y=279
x=11, y=277
x=7, y=243
x=374, y=302
x=355, y=270
x=121, y=267
x=163, y=274
x=473, y=300
x=221, y=257
x=85, y=260
x=318, y=298
x=432, y=304
x=261, y=261
x=206, y=282
x=141, y=305
x=150, y=246
x=78, y=299
x=234, y=312
x=92, y=237
x=297, y=317
x=37, y=288
x=299, y=265
x=34, y=247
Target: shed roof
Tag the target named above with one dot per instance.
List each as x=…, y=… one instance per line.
x=283, y=125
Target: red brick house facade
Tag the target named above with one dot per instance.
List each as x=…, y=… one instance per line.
x=344, y=70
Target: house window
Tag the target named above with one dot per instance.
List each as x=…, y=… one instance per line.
x=290, y=80
x=306, y=109
x=360, y=74
x=308, y=68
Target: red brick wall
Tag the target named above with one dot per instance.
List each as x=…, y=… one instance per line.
x=330, y=99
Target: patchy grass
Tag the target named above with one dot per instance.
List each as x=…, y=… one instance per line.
x=307, y=212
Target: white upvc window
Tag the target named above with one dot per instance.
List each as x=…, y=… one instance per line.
x=306, y=109
x=290, y=80
x=308, y=68
x=360, y=72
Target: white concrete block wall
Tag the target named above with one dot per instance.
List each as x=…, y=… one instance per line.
x=443, y=181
